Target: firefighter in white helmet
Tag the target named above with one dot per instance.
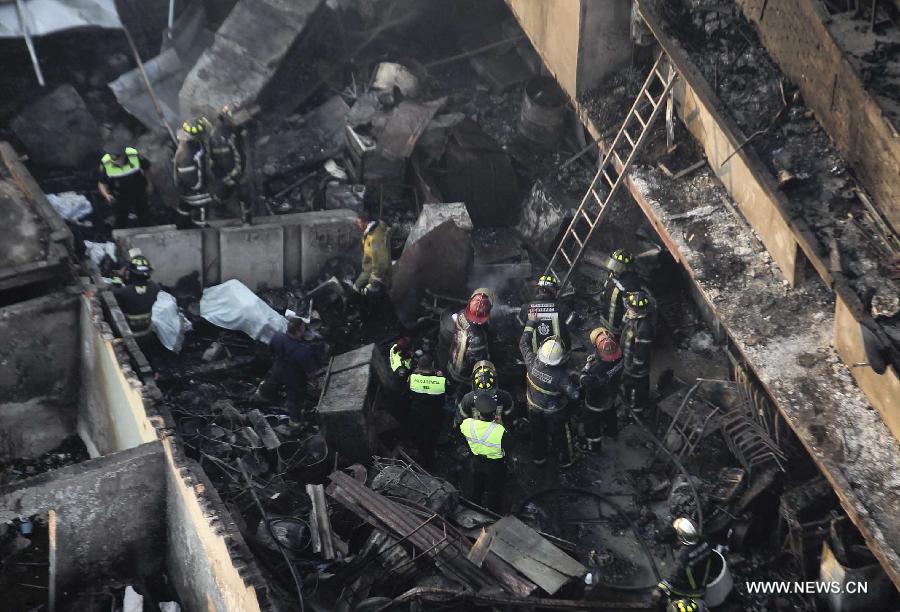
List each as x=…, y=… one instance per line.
x=548, y=392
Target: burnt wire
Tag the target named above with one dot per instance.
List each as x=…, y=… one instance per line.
x=281, y=547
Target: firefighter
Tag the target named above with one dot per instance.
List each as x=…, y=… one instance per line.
x=427, y=387
x=469, y=342
x=621, y=281
x=136, y=299
x=686, y=585
x=294, y=367
x=374, y=277
x=488, y=444
x=227, y=159
x=191, y=175
x=553, y=317
x=638, y=331
x=484, y=382
x=548, y=391
x=123, y=184
x=600, y=379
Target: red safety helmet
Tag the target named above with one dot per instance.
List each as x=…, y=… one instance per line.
x=479, y=307
x=605, y=343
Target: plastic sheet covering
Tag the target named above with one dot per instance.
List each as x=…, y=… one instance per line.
x=71, y=206
x=233, y=306
x=168, y=322
x=98, y=250
x=48, y=16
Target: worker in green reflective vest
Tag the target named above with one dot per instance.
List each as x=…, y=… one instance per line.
x=488, y=443
x=427, y=387
x=400, y=357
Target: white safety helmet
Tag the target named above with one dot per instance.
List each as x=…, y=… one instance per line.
x=687, y=530
x=551, y=351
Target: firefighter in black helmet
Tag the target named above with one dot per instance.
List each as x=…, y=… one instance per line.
x=553, y=317
x=621, y=281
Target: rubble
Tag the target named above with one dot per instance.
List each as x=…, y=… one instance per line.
x=58, y=130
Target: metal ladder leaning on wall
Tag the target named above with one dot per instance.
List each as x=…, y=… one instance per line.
x=594, y=204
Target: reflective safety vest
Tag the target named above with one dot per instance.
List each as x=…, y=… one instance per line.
x=427, y=384
x=114, y=171
x=485, y=438
x=397, y=360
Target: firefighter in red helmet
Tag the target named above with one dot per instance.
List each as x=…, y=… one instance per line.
x=469, y=343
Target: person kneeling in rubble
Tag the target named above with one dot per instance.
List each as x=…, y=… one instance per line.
x=686, y=586
x=294, y=365
x=489, y=444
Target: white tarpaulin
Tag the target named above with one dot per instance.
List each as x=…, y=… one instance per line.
x=168, y=322
x=48, y=16
x=233, y=306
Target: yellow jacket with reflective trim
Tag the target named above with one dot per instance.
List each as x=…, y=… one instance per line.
x=396, y=359
x=376, y=261
x=485, y=438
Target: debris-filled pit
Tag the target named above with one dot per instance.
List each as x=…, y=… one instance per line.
x=342, y=500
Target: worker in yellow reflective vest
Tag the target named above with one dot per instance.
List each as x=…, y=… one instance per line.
x=400, y=357
x=488, y=443
x=427, y=387
x=123, y=184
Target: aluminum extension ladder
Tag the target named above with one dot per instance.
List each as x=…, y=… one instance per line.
x=623, y=150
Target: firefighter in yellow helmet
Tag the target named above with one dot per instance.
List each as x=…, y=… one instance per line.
x=548, y=393
x=553, y=316
x=638, y=332
x=488, y=443
x=621, y=281
x=191, y=175
x=484, y=382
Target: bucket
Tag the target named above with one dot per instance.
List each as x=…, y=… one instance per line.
x=718, y=589
x=543, y=112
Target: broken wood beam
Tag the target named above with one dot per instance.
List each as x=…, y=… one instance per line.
x=320, y=522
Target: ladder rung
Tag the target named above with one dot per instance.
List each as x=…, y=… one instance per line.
x=564, y=256
x=627, y=137
x=608, y=179
x=599, y=201
x=577, y=239
x=619, y=158
x=639, y=118
x=653, y=102
x=586, y=216
x=660, y=76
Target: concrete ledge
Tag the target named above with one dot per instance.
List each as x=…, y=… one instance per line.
x=253, y=254
x=181, y=250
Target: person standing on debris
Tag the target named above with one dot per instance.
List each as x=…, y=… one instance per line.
x=123, y=184
x=294, y=366
x=469, y=343
x=227, y=159
x=427, y=387
x=484, y=382
x=600, y=379
x=489, y=445
x=374, y=278
x=553, y=317
x=638, y=332
x=686, y=586
x=621, y=281
x=190, y=172
x=136, y=298
x=548, y=391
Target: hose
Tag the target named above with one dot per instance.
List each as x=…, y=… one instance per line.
x=678, y=464
x=634, y=528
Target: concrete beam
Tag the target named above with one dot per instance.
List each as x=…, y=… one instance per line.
x=253, y=254
x=173, y=253
x=796, y=35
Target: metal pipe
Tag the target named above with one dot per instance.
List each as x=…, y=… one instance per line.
x=150, y=92
x=23, y=19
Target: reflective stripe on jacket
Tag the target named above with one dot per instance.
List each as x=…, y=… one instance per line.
x=485, y=438
x=113, y=170
x=427, y=384
x=376, y=261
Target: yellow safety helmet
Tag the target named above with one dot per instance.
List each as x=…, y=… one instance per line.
x=548, y=281
x=551, y=351
x=194, y=126
x=638, y=302
x=484, y=375
x=619, y=261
